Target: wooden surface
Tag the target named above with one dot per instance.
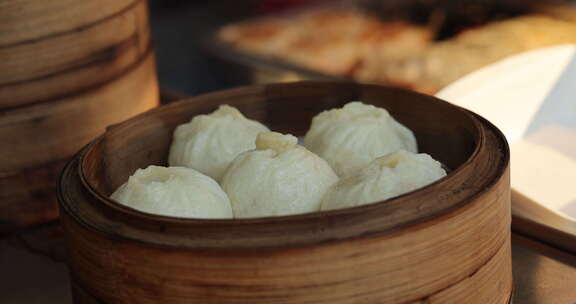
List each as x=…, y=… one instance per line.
x=446, y=243
x=30, y=278
x=542, y=274
x=534, y=220
x=46, y=240
x=547, y=234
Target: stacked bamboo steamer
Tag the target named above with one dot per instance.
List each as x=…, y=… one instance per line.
x=68, y=69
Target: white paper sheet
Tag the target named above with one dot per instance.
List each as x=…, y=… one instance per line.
x=531, y=97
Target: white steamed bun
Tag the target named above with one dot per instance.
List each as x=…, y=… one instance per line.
x=209, y=143
x=279, y=177
x=351, y=137
x=174, y=191
x=384, y=178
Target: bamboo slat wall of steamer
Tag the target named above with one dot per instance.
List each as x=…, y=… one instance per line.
x=68, y=69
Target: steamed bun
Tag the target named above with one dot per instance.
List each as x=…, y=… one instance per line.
x=351, y=137
x=384, y=178
x=279, y=177
x=209, y=143
x=174, y=191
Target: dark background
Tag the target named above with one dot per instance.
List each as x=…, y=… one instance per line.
x=180, y=29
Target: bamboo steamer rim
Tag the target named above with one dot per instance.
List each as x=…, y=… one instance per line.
x=49, y=30
x=136, y=225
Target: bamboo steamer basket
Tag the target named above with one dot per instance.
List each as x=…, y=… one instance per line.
x=53, y=49
x=448, y=242
x=69, y=69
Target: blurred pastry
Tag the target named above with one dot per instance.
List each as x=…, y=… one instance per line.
x=330, y=41
x=447, y=61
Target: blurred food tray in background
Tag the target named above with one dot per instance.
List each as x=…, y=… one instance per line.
x=422, y=45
